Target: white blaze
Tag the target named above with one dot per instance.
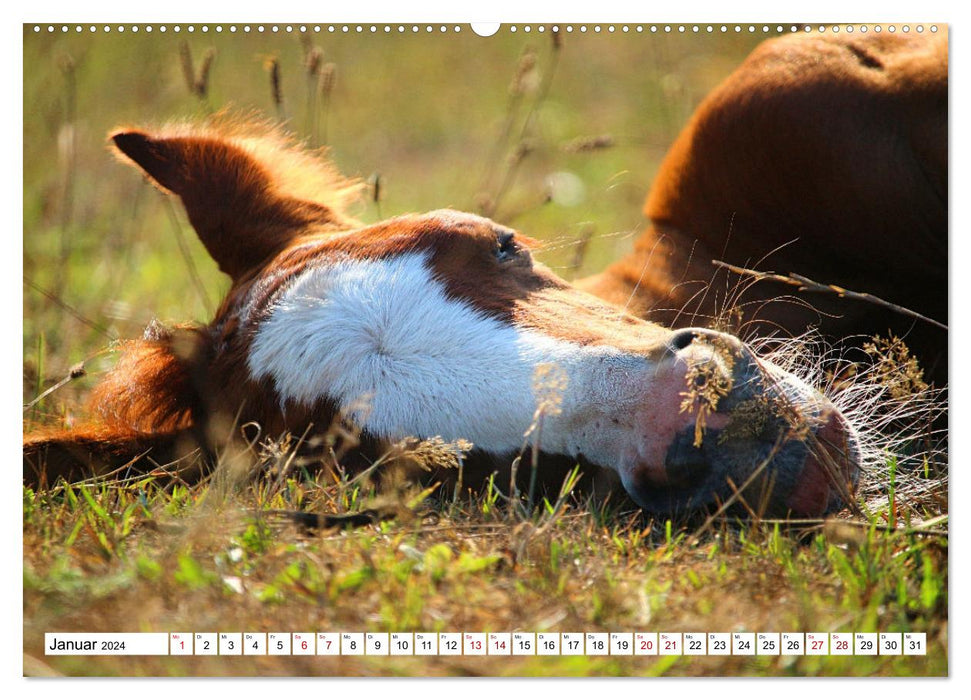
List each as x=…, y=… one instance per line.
x=385, y=331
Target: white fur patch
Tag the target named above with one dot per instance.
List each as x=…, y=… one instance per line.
x=384, y=331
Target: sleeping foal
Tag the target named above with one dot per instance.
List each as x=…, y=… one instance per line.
x=435, y=325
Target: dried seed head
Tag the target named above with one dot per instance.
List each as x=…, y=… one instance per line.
x=202, y=81
x=374, y=183
x=188, y=71
x=708, y=381
x=66, y=63
x=432, y=453
x=589, y=143
x=313, y=61
x=895, y=368
x=307, y=43
x=526, y=79
x=328, y=78
x=729, y=320
x=273, y=65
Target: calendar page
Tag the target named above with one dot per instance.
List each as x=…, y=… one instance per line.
x=539, y=349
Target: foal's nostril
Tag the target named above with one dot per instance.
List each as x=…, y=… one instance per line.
x=682, y=339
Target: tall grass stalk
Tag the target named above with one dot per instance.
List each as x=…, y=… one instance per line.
x=67, y=146
x=312, y=62
x=326, y=83
x=190, y=265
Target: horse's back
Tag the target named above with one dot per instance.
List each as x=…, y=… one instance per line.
x=822, y=155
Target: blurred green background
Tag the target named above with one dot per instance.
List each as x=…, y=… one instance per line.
x=502, y=125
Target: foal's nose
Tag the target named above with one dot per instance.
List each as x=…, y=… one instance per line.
x=725, y=424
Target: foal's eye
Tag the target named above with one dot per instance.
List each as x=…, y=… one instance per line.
x=507, y=247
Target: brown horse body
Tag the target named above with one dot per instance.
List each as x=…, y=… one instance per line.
x=821, y=155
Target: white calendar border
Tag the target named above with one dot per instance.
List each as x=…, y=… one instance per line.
x=11, y=644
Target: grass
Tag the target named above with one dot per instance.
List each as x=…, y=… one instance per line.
x=429, y=121
x=143, y=556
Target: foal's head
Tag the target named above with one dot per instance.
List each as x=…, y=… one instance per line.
x=443, y=324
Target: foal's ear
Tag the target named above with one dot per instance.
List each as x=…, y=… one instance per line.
x=233, y=197
x=162, y=160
